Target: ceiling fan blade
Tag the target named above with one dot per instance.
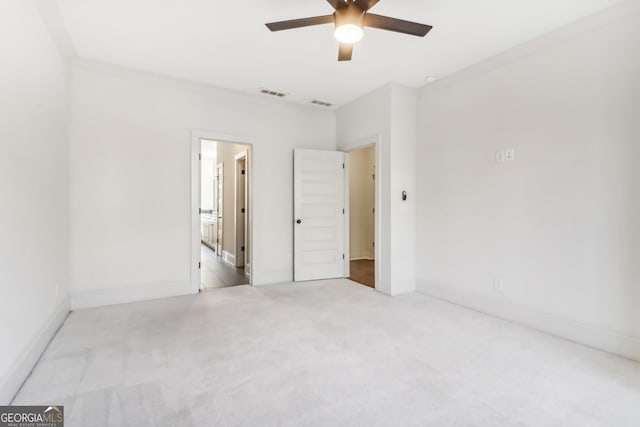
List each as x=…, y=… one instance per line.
x=366, y=4
x=338, y=4
x=345, y=52
x=299, y=23
x=397, y=25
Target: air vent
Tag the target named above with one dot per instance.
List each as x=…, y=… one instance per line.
x=321, y=103
x=273, y=93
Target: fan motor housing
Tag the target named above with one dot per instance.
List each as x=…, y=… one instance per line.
x=350, y=15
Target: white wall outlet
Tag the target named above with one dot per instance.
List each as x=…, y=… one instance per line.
x=498, y=284
x=500, y=156
x=510, y=154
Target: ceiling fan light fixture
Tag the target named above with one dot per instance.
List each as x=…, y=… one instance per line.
x=349, y=33
x=349, y=23
x=349, y=19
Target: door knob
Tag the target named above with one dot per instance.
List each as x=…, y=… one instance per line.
x=299, y=221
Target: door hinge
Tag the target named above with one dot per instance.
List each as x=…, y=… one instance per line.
x=342, y=256
x=343, y=166
x=242, y=249
x=242, y=211
x=199, y=211
x=199, y=265
x=242, y=171
x=199, y=156
x=342, y=211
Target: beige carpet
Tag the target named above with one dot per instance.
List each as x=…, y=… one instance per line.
x=323, y=354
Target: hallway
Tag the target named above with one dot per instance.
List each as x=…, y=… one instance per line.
x=216, y=273
x=363, y=271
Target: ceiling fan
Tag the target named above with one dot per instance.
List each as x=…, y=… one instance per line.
x=349, y=18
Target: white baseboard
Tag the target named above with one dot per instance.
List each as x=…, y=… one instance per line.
x=272, y=277
x=229, y=258
x=23, y=366
x=123, y=295
x=600, y=338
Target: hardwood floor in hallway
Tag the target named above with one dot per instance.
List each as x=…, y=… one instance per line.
x=216, y=273
x=363, y=271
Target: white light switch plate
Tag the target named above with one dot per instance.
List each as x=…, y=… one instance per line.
x=510, y=154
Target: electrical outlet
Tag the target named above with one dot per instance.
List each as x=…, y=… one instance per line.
x=500, y=156
x=510, y=154
x=498, y=284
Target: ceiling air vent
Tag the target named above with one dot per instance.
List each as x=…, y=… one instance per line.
x=321, y=103
x=273, y=93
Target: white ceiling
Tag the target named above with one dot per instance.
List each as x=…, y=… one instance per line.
x=225, y=43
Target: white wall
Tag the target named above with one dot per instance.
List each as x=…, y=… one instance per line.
x=130, y=178
x=33, y=191
x=388, y=116
x=361, y=203
x=207, y=174
x=560, y=225
x=403, y=178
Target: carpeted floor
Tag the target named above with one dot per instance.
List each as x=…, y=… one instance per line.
x=329, y=353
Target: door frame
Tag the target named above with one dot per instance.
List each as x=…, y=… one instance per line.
x=374, y=141
x=194, y=202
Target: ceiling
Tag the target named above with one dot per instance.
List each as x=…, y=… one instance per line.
x=225, y=43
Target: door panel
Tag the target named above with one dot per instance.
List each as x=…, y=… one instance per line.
x=219, y=208
x=240, y=211
x=319, y=220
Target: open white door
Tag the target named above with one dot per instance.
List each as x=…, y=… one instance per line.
x=319, y=219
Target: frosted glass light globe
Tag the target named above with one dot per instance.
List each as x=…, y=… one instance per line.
x=349, y=33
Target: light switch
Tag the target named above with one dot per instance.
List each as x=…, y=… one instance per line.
x=510, y=154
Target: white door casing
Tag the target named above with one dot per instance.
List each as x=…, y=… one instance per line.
x=319, y=215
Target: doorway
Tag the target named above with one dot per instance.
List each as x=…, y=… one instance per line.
x=224, y=216
x=362, y=214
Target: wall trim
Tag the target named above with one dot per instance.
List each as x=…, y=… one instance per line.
x=273, y=277
x=229, y=258
x=582, y=333
x=22, y=367
x=123, y=295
